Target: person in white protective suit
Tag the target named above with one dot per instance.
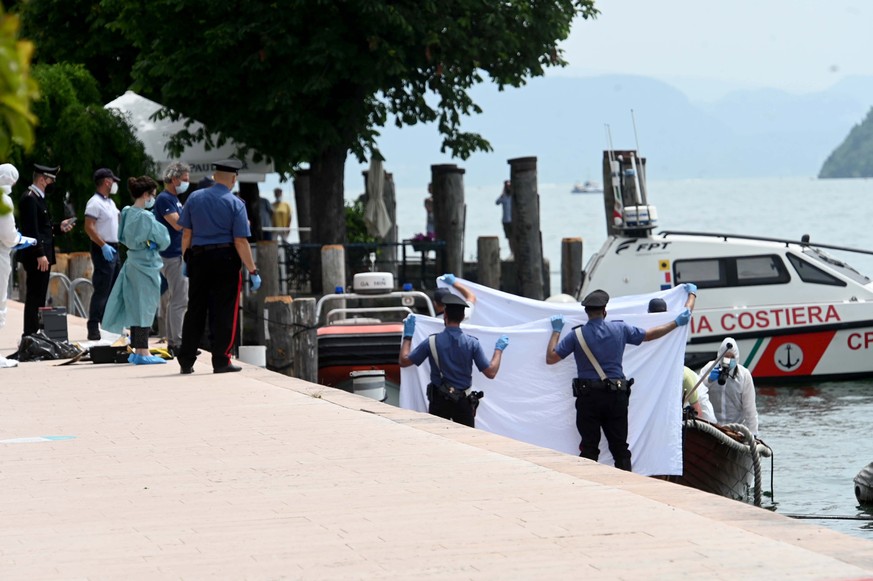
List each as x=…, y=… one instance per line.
x=731, y=389
x=10, y=238
x=134, y=299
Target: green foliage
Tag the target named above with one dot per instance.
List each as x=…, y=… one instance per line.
x=854, y=156
x=311, y=81
x=356, y=228
x=17, y=90
x=78, y=134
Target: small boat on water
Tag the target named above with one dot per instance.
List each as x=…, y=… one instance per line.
x=359, y=345
x=799, y=313
x=722, y=460
x=864, y=485
x=589, y=187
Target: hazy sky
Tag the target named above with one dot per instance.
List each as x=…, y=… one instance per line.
x=794, y=45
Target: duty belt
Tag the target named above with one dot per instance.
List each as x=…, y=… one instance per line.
x=610, y=384
x=205, y=247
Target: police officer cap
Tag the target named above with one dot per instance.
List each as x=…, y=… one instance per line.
x=439, y=294
x=47, y=170
x=105, y=172
x=228, y=165
x=657, y=306
x=596, y=299
x=453, y=300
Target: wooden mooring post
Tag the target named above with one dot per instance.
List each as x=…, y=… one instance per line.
x=293, y=346
x=450, y=213
x=526, y=227
x=571, y=265
x=489, y=261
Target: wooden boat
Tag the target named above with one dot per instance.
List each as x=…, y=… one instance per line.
x=864, y=485
x=798, y=313
x=722, y=460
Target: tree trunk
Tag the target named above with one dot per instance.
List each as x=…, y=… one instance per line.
x=327, y=210
x=302, y=200
x=248, y=191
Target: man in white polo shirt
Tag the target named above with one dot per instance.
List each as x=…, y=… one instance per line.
x=101, y=225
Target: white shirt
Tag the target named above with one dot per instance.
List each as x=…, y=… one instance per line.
x=105, y=214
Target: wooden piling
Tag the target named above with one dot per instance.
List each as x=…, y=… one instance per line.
x=304, y=343
x=526, y=227
x=489, y=261
x=280, y=324
x=450, y=213
x=571, y=265
x=333, y=271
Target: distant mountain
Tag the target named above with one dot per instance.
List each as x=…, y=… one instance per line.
x=562, y=122
x=854, y=157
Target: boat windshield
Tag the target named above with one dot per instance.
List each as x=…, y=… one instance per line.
x=836, y=264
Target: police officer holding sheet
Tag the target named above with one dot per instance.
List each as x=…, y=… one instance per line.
x=215, y=231
x=452, y=354
x=601, y=389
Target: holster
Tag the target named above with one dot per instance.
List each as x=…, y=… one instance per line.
x=445, y=391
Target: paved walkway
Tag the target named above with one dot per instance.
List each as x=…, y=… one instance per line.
x=256, y=475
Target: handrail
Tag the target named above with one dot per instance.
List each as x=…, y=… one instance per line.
x=806, y=242
x=363, y=310
x=394, y=294
x=73, y=297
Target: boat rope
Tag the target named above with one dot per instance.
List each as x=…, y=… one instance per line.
x=749, y=444
x=829, y=517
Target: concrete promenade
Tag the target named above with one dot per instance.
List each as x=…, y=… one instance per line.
x=255, y=475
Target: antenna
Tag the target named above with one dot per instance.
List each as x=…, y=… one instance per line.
x=642, y=193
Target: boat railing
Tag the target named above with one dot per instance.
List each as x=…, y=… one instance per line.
x=406, y=298
x=802, y=242
x=364, y=311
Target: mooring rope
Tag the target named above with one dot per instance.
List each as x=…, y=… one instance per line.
x=749, y=444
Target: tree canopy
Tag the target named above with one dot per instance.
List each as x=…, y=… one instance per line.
x=311, y=81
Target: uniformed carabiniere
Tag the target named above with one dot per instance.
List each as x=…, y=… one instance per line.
x=451, y=371
x=35, y=221
x=215, y=231
x=603, y=403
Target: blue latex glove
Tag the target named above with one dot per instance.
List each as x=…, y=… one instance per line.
x=683, y=318
x=153, y=245
x=448, y=278
x=691, y=288
x=713, y=375
x=109, y=253
x=184, y=269
x=409, y=326
x=24, y=242
x=256, y=281
x=502, y=343
x=557, y=323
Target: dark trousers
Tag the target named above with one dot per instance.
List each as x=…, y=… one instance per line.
x=214, y=284
x=139, y=337
x=37, y=289
x=606, y=409
x=460, y=412
x=104, y=276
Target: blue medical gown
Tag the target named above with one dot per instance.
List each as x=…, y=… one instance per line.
x=137, y=292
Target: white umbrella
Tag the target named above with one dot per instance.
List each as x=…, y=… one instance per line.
x=376, y=215
x=155, y=134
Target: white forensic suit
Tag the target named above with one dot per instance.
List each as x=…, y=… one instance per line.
x=733, y=402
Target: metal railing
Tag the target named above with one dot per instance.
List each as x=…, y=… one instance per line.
x=74, y=303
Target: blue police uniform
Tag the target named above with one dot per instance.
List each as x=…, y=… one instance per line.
x=215, y=217
x=602, y=404
x=458, y=352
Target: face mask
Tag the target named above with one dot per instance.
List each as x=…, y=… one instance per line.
x=113, y=189
x=733, y=364
x=182, y=187
x=150, y=203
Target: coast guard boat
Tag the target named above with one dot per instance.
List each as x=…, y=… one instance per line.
x=798, y=313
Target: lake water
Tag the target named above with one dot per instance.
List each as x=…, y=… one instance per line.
x=820, y=433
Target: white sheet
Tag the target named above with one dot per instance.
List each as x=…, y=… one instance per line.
x=533, y=402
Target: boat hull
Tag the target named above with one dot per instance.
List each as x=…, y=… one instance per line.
x=715, y=460
x=343, y=349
